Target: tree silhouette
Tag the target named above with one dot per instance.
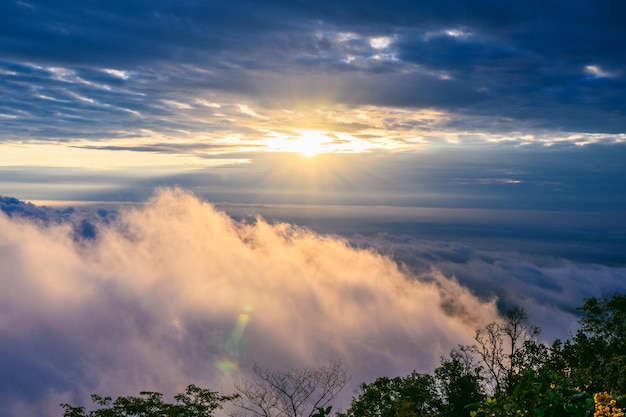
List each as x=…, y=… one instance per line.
x=506, y=348
x=459, y=382
x=194, y=402
x=291, y=393
x=412, y=396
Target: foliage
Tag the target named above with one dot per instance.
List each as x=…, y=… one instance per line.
x=521, y=376
x=413, y=396
x=194, y=402
x=323, y=412
x=460, y=382
x=595, y=359
x=605, y=318
x=539, y=396
x=292, y=393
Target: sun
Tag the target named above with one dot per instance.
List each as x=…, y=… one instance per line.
x=312, y=142
x=307, y=143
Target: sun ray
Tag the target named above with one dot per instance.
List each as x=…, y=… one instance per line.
x=312, y=142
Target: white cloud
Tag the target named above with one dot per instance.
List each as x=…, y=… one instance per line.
x=380, y=42
x=547, y=286
x=117, y=73
x=597, y=72
x=457, y=33
x=153, y=303
x=176, y=104
x=62, y=74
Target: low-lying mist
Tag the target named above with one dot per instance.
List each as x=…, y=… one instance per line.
x=175, y=292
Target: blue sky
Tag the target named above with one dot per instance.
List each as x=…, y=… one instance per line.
x=422, y=166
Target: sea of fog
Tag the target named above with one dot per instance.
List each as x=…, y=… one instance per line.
x=116, y=299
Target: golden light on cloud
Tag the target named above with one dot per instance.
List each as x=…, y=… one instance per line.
x=307, y=143
x=312, y=142
x=91, y=155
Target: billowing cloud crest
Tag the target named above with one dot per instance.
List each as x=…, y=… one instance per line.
x=176, y=292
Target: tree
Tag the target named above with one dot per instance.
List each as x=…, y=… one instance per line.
x=412, y=396
x=504, y=349
x=595, y=359
x=579, y=377
x=292, y=393
x=194, y=402
x=460, y=382
x=605, y=318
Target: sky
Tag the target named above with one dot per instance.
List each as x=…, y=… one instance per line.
x=186, y=185
x=106, y=100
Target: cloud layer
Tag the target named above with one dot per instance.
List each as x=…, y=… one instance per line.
x=110, y=71
x=177, y=292
x=548, y=286
x=514, y=176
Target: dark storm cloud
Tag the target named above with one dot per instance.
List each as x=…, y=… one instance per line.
x=558, y=65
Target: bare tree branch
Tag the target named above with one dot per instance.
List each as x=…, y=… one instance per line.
x=292, y=393
x=503, y=348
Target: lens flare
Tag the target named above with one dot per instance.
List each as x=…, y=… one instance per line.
x=226, y=366
x=234, y=345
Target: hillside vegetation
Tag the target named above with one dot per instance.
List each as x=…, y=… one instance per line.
x=506, y=372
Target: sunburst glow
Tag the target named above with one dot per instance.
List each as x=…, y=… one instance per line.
x=310, y=142
x=307, y=142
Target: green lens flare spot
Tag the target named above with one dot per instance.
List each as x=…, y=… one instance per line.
x=226, y=366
